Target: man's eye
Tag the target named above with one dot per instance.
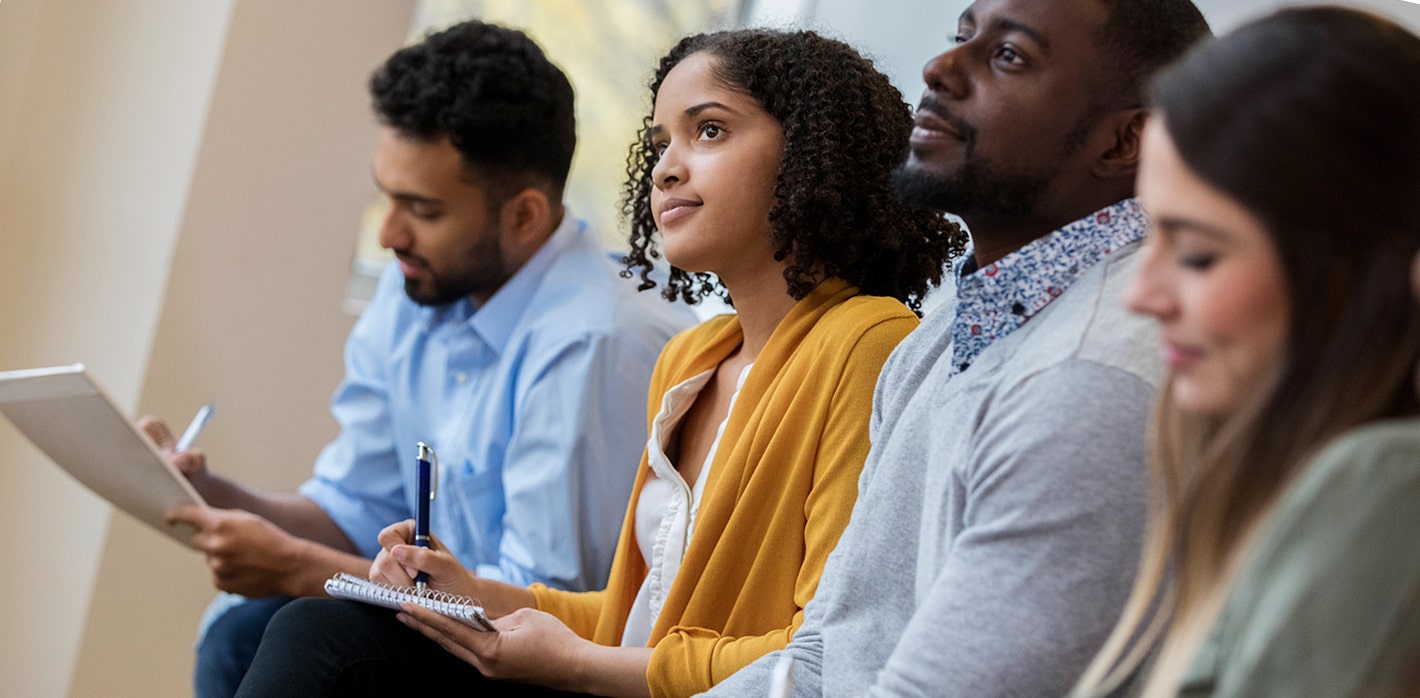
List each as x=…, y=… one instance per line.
x=1009, y=55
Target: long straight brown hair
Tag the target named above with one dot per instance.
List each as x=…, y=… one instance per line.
x=1310, y=118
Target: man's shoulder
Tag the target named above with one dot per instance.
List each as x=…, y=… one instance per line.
x=584, y=295
x=1089, y=324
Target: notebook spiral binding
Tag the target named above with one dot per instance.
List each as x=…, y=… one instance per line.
x=462, y=608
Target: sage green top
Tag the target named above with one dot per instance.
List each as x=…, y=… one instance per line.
x=1329, y=602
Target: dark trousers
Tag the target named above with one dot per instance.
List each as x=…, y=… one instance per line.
x=227, y=646
x=321, y=647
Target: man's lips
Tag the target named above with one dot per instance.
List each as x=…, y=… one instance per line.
x=929, y=125
x=675, y=209
x=409, y=264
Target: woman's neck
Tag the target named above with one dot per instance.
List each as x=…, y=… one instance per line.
x=761, y=304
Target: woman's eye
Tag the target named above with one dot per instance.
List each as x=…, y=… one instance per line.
x=659, y=147
x=710, y=132
x=1199, y=261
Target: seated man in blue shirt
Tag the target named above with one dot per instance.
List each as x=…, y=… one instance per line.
x=504, y=337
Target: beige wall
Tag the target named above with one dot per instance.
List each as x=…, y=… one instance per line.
x=102, y=105
x=179, y=188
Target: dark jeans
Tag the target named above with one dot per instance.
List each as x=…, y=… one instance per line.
x=321, y=647
x=225, y=651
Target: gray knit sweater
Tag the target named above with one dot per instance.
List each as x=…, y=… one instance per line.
x=1000, y=511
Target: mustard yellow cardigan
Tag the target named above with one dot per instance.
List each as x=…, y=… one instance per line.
x=780, y=492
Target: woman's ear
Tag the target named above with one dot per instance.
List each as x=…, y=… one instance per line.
x=1122, y=158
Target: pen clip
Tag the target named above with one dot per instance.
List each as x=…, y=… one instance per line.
x=426, y=453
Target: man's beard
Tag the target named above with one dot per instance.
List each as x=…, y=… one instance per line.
x=976, y=189
x=483, y=271
x=980, y=187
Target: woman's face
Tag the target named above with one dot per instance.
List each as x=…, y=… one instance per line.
x=714, y=180
x=1212, y=279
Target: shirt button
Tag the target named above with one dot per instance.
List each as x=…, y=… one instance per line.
x=461, y=377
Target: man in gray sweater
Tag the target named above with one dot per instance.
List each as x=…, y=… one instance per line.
x=1001, y=509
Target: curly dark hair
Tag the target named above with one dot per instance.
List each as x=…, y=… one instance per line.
x=505, y=107
x=845, y=130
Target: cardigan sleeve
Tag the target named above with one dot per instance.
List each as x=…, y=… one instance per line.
x=691, y=660
x=577, y=609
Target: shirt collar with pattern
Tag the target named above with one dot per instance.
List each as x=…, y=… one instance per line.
x=995, y=300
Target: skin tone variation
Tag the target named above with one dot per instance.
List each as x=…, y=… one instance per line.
x=1212, y=279
x=714, y=181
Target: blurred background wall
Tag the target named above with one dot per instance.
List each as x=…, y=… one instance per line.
x=182, y=186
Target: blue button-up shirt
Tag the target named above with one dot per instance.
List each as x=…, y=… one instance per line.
x=534, y=402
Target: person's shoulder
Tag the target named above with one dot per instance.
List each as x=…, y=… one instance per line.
x=584, y=294
x=1380, y=454
x=693, y=340
x=1089, y=324
x=873, y=318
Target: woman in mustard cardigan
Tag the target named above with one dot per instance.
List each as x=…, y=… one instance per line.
x=765, y=168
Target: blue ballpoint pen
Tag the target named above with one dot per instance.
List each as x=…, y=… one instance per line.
x=428, y=472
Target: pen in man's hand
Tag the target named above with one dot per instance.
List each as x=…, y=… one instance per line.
x=199, y=421
x=426, y=467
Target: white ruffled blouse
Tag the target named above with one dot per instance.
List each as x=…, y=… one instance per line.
x=665, y=512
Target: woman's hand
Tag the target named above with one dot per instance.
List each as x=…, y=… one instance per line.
x=398, y=562
x=530, y=646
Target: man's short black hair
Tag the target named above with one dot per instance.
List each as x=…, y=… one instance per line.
x=1143, y=36
x=491, y=90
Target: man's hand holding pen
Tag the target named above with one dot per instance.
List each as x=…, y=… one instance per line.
x=191, y=462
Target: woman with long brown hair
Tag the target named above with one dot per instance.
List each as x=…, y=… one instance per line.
x=1281, y=170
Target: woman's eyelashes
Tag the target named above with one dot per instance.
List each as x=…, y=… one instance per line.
x=1197, y=261
x=706, y=131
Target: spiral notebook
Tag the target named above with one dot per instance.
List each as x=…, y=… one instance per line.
x=460, y=608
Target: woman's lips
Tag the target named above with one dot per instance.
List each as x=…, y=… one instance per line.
x=673, y=210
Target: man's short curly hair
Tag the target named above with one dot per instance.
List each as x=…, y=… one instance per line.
x=1141, y=37
x=491, y=90
x=845, y=129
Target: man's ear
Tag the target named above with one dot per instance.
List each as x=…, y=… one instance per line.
x=526, y=219
x=1122, y=158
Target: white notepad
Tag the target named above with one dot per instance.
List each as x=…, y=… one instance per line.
x=460, y=608
x=65, y=413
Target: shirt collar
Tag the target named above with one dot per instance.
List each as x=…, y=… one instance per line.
x=995, y=300
x=496, y=319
